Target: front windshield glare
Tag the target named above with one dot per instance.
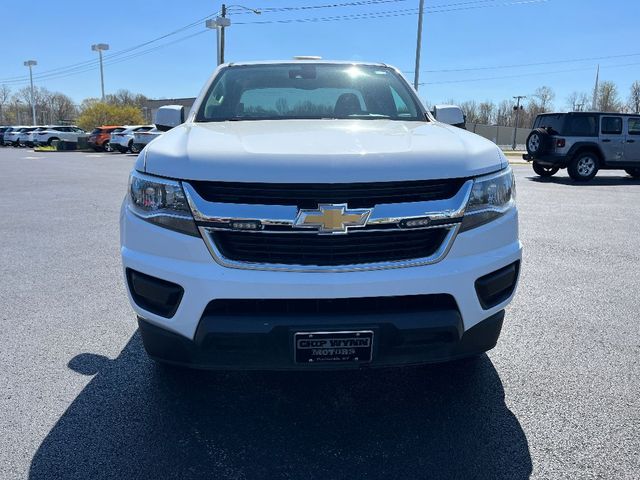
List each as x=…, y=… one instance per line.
x=308, y=91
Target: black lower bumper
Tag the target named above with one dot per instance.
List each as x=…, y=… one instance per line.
x=559, y=161
x=266, y=343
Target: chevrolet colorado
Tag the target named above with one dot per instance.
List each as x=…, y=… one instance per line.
x=313, y=214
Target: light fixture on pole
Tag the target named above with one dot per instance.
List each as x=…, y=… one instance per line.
x=100, y=47
x=31, y=64
x=222, y=22
x=218, y=24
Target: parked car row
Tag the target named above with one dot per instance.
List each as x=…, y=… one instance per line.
x=30, y=136
x=109, y=138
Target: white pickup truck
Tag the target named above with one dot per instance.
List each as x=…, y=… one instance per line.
x=312, y=214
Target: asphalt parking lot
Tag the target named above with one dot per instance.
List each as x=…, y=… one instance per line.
x=559, y=397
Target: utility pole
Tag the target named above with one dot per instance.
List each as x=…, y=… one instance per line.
x=31, y=64
x=222, y=22
x=517, y=108
x=416, y=74
x=594, y=103
x=99, y=47
x=223, y=15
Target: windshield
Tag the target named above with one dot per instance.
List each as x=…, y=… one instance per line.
x=309, y=91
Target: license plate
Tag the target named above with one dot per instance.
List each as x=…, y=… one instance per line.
x=330, y=347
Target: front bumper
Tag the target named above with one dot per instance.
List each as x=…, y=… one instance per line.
x=251, y=343
x=185, y=261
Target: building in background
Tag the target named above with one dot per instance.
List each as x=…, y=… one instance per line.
x=150, y=107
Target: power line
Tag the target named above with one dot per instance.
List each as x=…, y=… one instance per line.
x=526, y=74
x=80, y=66
x=112, y=61
x=519, y=65
x=384, y=14
x=329, y=5
x=85, y=66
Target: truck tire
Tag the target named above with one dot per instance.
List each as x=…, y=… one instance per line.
x=538, y=142
x=634, y=172
x=544, y=171
x=583, y=167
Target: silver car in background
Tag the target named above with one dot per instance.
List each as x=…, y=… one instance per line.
x=142, y=139
x=123, y=141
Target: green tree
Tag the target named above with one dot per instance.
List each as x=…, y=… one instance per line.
x=95, y=114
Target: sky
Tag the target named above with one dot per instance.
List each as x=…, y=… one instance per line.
x=471, y=49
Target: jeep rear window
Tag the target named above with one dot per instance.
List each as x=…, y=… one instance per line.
x=309, y=91
x=553, y=122
x=581, y=126
x=634, y=126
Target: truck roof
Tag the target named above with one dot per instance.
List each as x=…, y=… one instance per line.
x=306, y=60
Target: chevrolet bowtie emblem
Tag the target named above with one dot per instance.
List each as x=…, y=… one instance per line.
x=332, y=218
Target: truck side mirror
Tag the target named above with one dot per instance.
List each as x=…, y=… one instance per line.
x=169, y=116
x=449, y=114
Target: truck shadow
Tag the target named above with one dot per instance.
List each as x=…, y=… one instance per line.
x=135, y=420
x=604, y=181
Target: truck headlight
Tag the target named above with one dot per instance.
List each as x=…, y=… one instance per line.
x=491, y=197
x=160, y=201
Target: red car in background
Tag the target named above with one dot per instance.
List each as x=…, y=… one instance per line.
x=99, y=138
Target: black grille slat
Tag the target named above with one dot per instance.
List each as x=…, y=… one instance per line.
x=331, y=306
x=309, y=195
x=328, y=250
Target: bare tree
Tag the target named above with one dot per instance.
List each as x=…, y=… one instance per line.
x=577, y=101
x=541, y=101
x=607, y=99
x=634, y=97
x=125, y=97
x=504, y=113
x=470, y=110
x=61, y=108
x=485, y=112
x=5, y=95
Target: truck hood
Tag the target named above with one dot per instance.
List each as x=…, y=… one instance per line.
x=319, y=151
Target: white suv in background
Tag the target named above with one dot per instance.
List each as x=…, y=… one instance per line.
x=25, y=135
x=122, y=141
x=68, y=133
x=313, y=214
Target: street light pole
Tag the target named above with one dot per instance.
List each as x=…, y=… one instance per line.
x=31, y=64
x=517, y=109
x=416, y=74
x=100, y=47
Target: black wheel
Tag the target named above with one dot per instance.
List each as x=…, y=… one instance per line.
x=129, y=147
x=51, y=140
x=544, y=171
x=538, y=142
x=583, y=166
x=107, y=147
x=634, y=172
x=134, y=148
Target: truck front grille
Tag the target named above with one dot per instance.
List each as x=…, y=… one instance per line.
x=309, y=195
x=328, y=250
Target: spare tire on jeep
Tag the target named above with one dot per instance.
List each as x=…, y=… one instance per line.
x=538, y=142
